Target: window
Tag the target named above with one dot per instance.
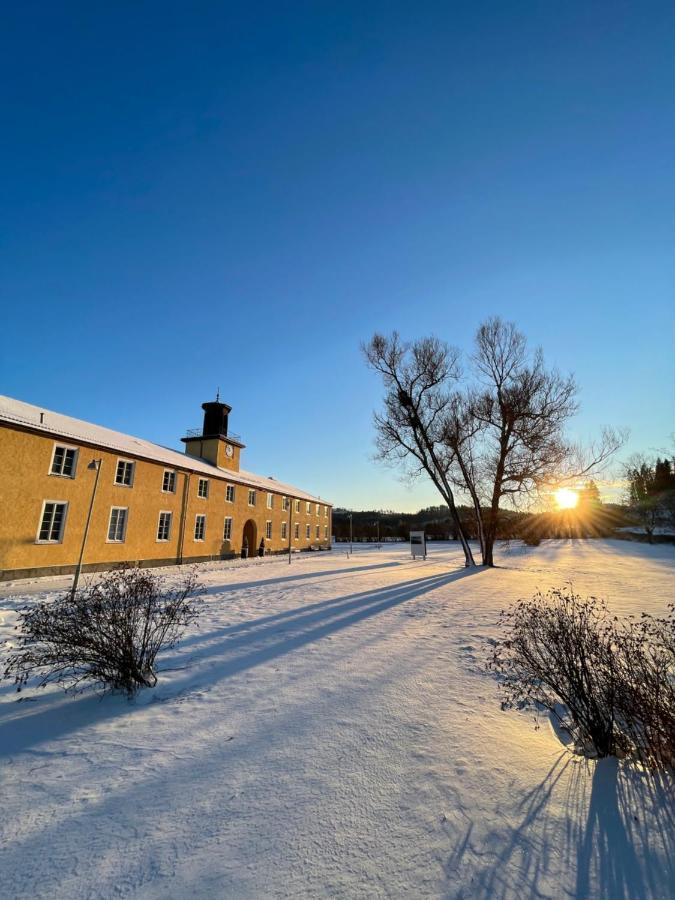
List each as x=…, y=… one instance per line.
x=200, y=527
x=297, y=506
x=285, y=504
x=270, y=501
x=308, y=532
x=318, y=509
x=227, y=529
x=251, y=497
x=124, y=474
x=229, y=493
x=308, y=507
x=325, y=531
x=296, y=531
x=117, y=526
x=203, y=488
x=325, y=512
x=52, y=523
x=268, y=530
x=63, y=461
x=164, y=526
x=284, y=531
x=318, y=532
x=169, y=481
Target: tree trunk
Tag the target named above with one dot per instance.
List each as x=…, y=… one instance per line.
x=476, y=502
x=491, y=533
x=488, y=554
x=469, y=561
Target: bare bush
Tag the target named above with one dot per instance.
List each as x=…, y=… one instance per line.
x=558, y=654
x=646, y=699
x=110, y=631
x=610, y=684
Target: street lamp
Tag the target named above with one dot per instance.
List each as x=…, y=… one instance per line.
x=289, y=503
x=94, y=464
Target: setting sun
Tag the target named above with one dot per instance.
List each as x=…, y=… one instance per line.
x=566, y=498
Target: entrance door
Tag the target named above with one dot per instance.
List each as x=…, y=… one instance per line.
x=250, y=537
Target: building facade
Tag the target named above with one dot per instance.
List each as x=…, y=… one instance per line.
x=144, y=504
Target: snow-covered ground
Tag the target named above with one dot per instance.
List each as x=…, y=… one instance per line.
x=328, y=731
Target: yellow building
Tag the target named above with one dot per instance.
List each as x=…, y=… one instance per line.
x=149, y=505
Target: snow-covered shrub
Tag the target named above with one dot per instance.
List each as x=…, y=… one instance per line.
x=558, y=653
x=110, y=631
x=645, y=701
x=610, y=684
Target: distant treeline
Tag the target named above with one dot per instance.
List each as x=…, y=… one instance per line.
x=592, y=519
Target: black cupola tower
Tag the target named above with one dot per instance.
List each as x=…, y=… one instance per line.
x=215, y=419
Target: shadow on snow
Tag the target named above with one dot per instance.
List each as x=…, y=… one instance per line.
x=273, y=637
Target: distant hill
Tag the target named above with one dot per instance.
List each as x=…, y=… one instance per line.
x=598, y=520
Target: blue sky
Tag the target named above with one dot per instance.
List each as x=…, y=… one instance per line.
x=236, y=195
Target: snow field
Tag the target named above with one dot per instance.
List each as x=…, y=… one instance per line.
x=328, y=731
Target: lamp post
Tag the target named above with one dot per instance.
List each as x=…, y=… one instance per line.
x=290, y=526
x=351, y=536
x=94, y=464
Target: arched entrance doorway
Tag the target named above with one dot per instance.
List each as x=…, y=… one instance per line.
x=250, y=537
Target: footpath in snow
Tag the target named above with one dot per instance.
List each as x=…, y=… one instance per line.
x=328, y=730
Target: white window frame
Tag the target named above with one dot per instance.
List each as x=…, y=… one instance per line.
x=297, y=506
x=229, y=489
x=251, y=493
x=284, y=531
x=268, y=530
x=270, y=500
x=127, y=462
x=318, y=532
x=200, y=540
x=121, y=540
x=59, y=540
x=308, y=532
x=325, y=532
x=296, y=531
x=158, y=539
x=284, y=504
x=318, y=509
x=227, y=529
x=308, y=507
x=164, y=474
x=76, y=457
x=200, y=482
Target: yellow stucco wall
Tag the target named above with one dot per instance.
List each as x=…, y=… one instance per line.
x=26, y=482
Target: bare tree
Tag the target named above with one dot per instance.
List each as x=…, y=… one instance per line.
x=499, y=440
x=412, y=425
x=520, y=410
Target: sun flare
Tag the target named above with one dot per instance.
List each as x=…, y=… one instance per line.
x=566, y=498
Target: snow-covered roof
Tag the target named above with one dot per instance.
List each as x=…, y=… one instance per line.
x=35, y=418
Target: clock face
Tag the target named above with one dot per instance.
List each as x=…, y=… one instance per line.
x=229, y=450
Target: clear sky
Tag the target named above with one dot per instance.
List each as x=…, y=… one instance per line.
x=215, y=194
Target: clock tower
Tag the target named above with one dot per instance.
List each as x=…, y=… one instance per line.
x=212, y=442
